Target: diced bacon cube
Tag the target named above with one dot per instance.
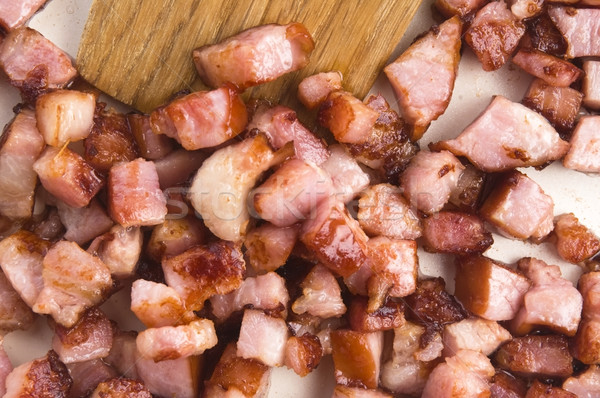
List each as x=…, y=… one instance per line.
x=86, y=376
x=507, y=385
x=151, y=146
x=268, y=246
x=474, y=334
x=134, y=194
x=585, y=384
x=578, y=26
x=423, y=76
x=431, y=305
x=466, y=196
x=357, y=392
x=389, y=316
x=494, y=34
x=42, y=377
x=321, y=295
x=357, y=357
x=123, y=354
x=178, y=166
x=519, y=207
x=395, y=265
x=15, y=314
x=489, y=289
x=314, y=89
x=174, y=236
x=15, y=13
x=348, y=178
x=303, y=353
x=68, y=291
x=66, y=175
x=65, y=116
x=336, y=238
x=585, y=146
x=591, y=84
x=120, y=249
x=574, y=242
x=429, y=180
x=455, y=232
x=587, y=340
x=21, y=256
x=450, y=8
x=553, y=70
x=540, y=390
x=89, y=338
x=382, y=210
x=121, y=388
x=21, y=145
x=524, y=9
x=170, y=378
x=204, y=119
x=84, y=223
x=262, y=337
x=202, y=271
x=545, y=36
x=347, y=117
x=173, y=342
x=158, y=305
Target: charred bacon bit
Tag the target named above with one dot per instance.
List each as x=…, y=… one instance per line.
x=66, y=175
x=335, y=238
x=202, y=119
x=466, y=374
x=507, y=135
x=357, y=357
x=358, y=392
x=321, y=295
x=170, y=378
x=591, y=84
x=524, y=9
x=578, y=26
x=494, y=34
x=202, y=271
x=388, y=148
x=119, y=249
x=69, y=291
x=585, y=146
x=519, y=207
x=466, y=196
x=474, y=334
x=87, y=375
x=266, y=292
x=83, y=224
x=423, y=76
x=303, y=353
x=587, y=340
x=234, y=374
x=262, y=337
x=545, y=36
x=158, y=305
x=174, y=236
x=220, y=189
x=536, y=356
x=15, y=314
x=89, y=338
x=574, y=242
x=461, y=8
x=34, y=64
x=45, y=377
x=506, y=385
x=587, y=383
x=281, y=125
x=134, y=195
x=489, y=289
x=254, y=56
x=268, y=246
x=20, y=146
x=151, y=146
x=110, y=141
x=542, y=390
x=560, y=105
x=15, y=13
x=314, y=89
x=382, y=210
x=291, y=193
x=65, y=116
x=345, y=172
x=21, y=256
x=455, y=232
x=121, y=388
x=429, y=180
x=554, y=71
x=389, y=316
x=174, y=342
x=403, y=373
x=347, y=117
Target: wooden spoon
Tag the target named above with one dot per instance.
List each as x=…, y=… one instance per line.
x=139, y=51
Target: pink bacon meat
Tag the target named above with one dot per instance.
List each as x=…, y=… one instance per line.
x=15, y=13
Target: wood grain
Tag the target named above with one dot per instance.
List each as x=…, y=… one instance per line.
x=139, y=51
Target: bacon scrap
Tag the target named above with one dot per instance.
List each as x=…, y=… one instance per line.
x=314, y=89
x=262, y=337
x=587, y=340
x=461, y=8
x=15, y=314
x=585, y=384
x=321, y=295
x=158, y=305
x=303, y=353
x=42, y=377
x=585, y=146
x=591, y=84
x=579, y=26
x=474, y=334
x=553, y=70
x=455, y=232
x=574, y=242
x=268, y=246
x=15, y=13
x=357, y=357
x=121, y=388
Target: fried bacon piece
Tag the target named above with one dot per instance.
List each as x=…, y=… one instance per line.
x=314, y=89
x=455, y=232
x=554, y=71
x=202, y=119
x=15, y=13
x=348, y=177
x=560, y=105
x=120, y=249
x=87, y=375
x=357, y=357
x=134, y=194
x=321, y=295
x=45, y=377
x=536, y=356
x=389, y=316
x=462, y=8
x=151, y=146
x=507, y=135
x=585, y=384
x=519, y=207
x=83, y=224
x=174, y=236
x=591, y=84
x=255, y=56
x=303, y=353
x=262, y=337
x=574, y=242
x=587, y=340
x=545, y=36
x=577, y=25
x=347, y=117
x=474, y=334
x=268, y=246
x=506, y=385
x=524, y=9
x=178, y=166
x=170, y=378
x=494, y=34
x=357, y=392
x=489, y=289
x=158, y=305
x=66, y=175
x=121, y=388
x=15, y=314
x=20, y=146
x=585, y=146
x=543, y=390
x=423, y=76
